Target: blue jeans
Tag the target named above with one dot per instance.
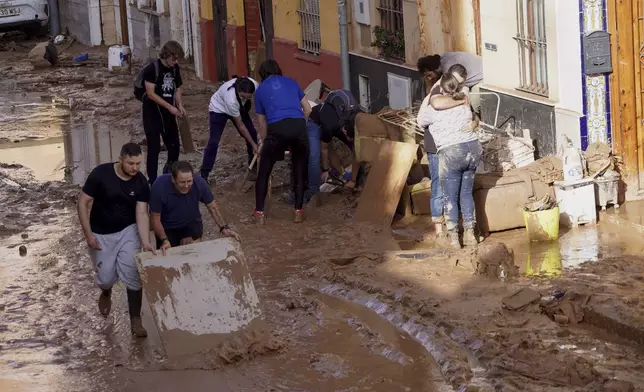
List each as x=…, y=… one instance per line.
x=436, y=202
x=458, y=164
x=217, y=124
x=315, y=169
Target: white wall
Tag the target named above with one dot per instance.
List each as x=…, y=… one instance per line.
x=196, y=38
x=74, y=17
x=501, y=68
x=95, y=27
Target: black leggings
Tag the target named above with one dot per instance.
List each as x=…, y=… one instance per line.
x=159, y=124
x=289, y=133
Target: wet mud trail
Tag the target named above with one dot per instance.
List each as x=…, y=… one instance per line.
x=348, y=310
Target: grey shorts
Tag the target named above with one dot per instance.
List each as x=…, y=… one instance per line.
x=116, y=259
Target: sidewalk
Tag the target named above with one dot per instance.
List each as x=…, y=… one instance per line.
x=629, y=216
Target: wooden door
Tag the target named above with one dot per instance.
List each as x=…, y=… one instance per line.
x=627, y=90
x=639, y=87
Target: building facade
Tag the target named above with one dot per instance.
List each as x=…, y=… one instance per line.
x=560, y=69
x=306, y=40
x=151, y=23
x=569, y=70
x=144, y=25
x=388, y=37
x=91, y=22
x=533, y=69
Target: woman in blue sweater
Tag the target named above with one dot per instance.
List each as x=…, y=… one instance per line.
x=282, y=112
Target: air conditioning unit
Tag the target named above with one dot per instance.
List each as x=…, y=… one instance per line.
x=399, y=89
x=362, y=10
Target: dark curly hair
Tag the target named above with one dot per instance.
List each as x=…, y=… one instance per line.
x=429, y=63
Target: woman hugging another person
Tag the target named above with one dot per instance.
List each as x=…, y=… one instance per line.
x=459, y=153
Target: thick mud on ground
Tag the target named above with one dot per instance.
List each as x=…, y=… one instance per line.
x=348, y=310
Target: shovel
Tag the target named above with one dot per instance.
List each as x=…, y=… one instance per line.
x=244, y=188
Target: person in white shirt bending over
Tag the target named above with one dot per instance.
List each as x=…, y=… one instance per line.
x=459, y=153
x=232, y=101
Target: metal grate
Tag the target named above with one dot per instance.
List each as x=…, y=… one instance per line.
x=532, y=46
x=391, y=15
x=309, y=11
x=405, y=119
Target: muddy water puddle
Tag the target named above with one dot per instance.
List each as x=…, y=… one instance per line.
x=575, y=246
x=31, y=350
x=41, y=134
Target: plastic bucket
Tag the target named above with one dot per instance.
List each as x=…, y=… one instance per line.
x=542, y=225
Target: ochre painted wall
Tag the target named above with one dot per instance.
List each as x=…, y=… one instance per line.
x=303, y=67
x=235, y=12
x=205, y=9
x=286, y=22
x=330, y=27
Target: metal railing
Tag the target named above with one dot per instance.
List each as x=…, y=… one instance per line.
x=495, y=125
x=391, y=15
x=532, y=46
x=309, y=11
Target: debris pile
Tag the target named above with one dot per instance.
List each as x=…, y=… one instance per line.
x=547, y=202
x=504, y=151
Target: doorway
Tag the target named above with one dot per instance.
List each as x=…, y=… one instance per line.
x=221, y=52
x=626, y=27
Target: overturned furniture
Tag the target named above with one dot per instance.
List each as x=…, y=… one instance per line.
x=200, y=295
x=499, y=197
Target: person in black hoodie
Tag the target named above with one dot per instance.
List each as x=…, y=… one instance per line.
x=162, y=104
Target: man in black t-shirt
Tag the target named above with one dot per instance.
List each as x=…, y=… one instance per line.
x=162, y=104
x=117, y=227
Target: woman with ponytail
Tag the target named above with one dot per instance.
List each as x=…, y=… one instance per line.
x=459, y=153
x=232, y=101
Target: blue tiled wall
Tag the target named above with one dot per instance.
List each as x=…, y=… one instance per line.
x=595, y=126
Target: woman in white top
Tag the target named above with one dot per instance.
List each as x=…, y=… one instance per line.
x=232, y=101
x=424, y=119
x=459, y=153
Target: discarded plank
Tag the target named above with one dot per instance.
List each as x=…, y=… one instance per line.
x=385, y=182
x=200, y=295
x=186, y=136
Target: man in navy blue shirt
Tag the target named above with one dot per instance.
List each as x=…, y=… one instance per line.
x=174, y=202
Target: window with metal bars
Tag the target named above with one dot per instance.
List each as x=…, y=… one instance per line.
x=391, y=21
x=532, y=46
x=309, y=11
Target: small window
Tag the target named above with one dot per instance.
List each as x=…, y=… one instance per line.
x=390, y=35
x=532, y=46
x=309, y=11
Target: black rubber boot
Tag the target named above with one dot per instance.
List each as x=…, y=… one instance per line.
x=105, y=302
x=134, y=302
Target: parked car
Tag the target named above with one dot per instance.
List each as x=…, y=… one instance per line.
x=31, y=16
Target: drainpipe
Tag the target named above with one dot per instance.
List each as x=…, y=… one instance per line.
x=54, y=20
x=344, y=44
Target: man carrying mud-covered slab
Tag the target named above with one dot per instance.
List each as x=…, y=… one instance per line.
x=176, y=219
x=117, y=227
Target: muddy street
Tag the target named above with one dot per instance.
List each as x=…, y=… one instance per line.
x=351, y=307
